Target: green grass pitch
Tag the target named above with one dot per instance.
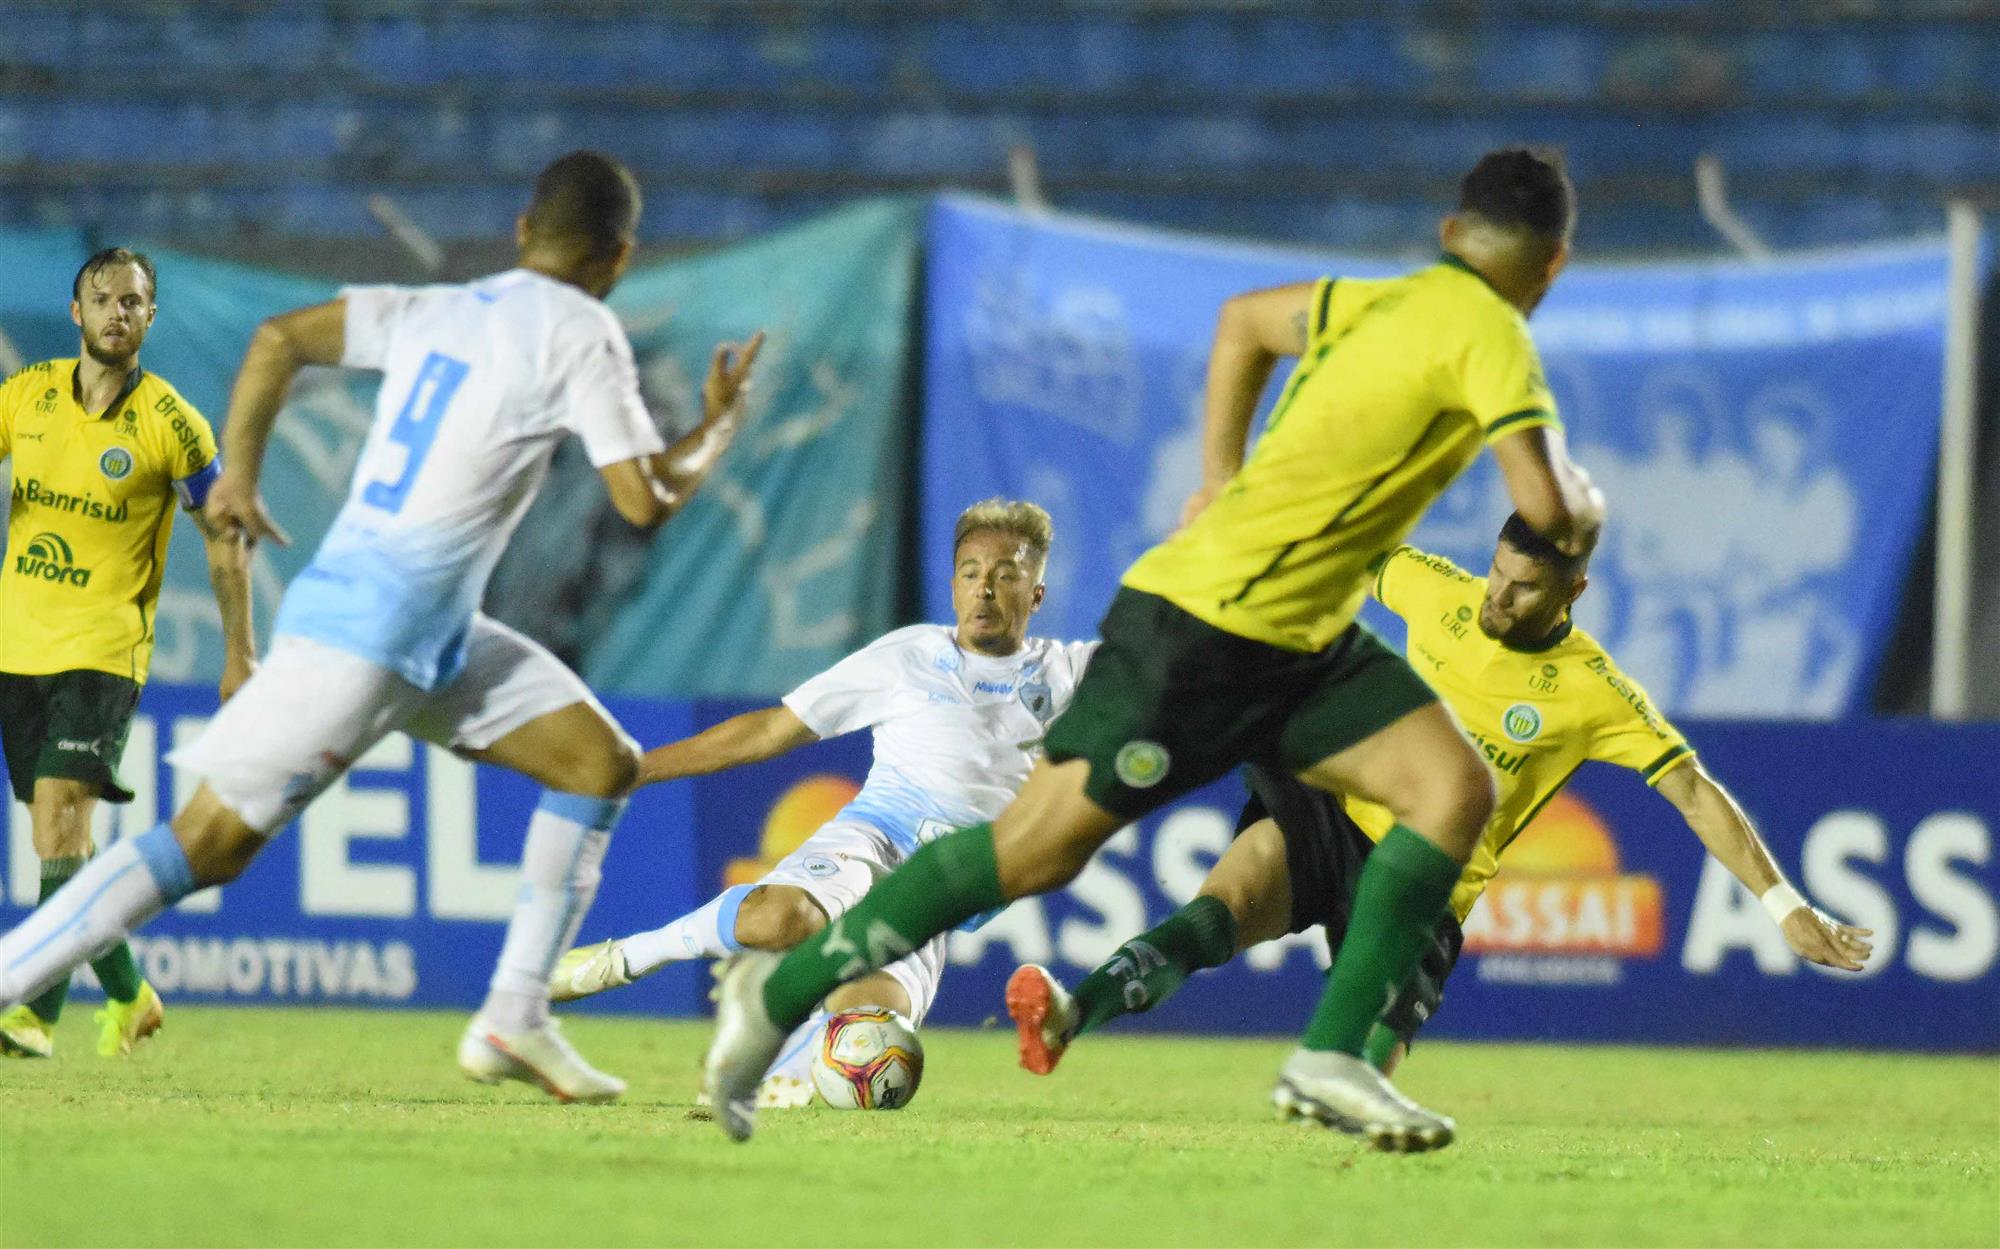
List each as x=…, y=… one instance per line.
x=327, y=1127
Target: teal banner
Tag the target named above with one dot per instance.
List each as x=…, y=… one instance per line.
x=785, y=562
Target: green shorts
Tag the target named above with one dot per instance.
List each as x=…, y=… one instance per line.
x=66, y=724
x=1170, y=703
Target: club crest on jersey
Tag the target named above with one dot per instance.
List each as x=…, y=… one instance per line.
x=115, y=464
x=1037, y=698
x=1142, y=764
x=1522, y=723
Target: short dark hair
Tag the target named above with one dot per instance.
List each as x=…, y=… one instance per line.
x=1526, y=188
x=585, y=197
x=1518, y=534
x=103, y=260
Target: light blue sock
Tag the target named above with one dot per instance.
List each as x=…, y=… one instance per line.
x=561, y=865
x=114, y=894
x=708, y=931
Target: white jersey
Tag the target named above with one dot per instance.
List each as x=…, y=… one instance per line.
x=480, y=382
x=955, y=731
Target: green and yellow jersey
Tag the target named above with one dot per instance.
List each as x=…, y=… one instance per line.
x=1400, y=381
x=1536, y=715
x=90, y=517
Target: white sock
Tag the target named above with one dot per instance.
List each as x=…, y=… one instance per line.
x=560, y=867
x=116, y=892
x=709, y=931
x=795, y=1056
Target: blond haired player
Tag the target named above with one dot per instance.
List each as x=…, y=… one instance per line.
x=102, y=452
x=957, y=714
x=1538, y=697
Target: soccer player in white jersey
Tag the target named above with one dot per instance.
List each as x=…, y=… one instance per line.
x=957, y=714
x=382, y=630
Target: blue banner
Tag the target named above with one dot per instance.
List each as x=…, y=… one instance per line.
x=1765, y=434
x=1608, y=922
x=786, y=561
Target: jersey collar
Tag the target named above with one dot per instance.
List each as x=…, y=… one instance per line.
x=132, y=381
x=1556, y=635
x=1450, y=261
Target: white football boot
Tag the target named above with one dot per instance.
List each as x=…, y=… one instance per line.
x=1344, y=1092
x=746, y=1042
x=588, y=970
x=540, y=1056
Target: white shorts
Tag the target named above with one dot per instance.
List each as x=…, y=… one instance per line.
x=311, y=710
x=839, y=863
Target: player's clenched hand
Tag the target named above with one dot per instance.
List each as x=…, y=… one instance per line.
x=234, y=507
x=1822, y=939
x=728, y=377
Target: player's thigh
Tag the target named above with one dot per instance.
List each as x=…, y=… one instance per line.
x=877, y=988
x=517, y=706
x=304, y=717
x=835, y=866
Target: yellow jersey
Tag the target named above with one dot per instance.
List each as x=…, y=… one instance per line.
x=1536, y=714
x=1400, y=380
x=90, y=517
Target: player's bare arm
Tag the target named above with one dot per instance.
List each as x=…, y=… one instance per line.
x=282, y=346
x=751, y=737
x=1550, y=490
x=1252, y=332
x=1715, y=817
x=648, y=489
x=229, y=577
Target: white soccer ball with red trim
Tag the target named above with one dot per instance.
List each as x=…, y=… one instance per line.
x=868, y=1058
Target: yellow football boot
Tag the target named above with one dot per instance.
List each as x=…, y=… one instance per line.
x=23, y=1034
x=122, y=1025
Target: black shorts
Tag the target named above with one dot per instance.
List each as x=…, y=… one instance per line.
x=1324, y=855
x=70, y=725
x=1170, y=703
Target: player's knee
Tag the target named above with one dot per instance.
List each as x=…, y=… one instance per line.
x=1455, y=803
x=773, y=918
x=878, y=989
x=219, y=848
x=604, y=770
x=60, y=821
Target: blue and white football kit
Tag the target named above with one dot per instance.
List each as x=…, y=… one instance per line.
x=382, y=631
x=955, y=735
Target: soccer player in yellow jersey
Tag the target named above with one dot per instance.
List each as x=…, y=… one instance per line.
x=102, y=451
x=1538, y=697
x=1235, y=641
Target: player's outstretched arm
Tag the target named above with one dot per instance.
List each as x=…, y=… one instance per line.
x=1727, y=832
x=649, y=489
x=749, y=738
x=1550, y=490
x=281, y=346
x=1253, y=330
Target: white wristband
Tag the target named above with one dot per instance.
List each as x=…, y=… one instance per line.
x=1780, y=900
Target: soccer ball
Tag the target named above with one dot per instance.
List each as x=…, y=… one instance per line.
x=869, y=1058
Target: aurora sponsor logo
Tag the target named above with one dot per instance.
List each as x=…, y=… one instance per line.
x=49, y=558
x=31, y=492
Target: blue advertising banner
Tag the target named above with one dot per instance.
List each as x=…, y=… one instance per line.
x=1608, y=923
x=1749, y=423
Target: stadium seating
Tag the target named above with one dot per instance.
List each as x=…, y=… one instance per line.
x=1330, y=123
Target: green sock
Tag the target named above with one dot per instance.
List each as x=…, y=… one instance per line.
x=55, y=874
x=118, y=972
x=1146, y=970
x=944, y=884
x=1404, y=888
x=1381, y=1043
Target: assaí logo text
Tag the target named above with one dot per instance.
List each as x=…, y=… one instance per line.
x=31, y=490
x=49, y=558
